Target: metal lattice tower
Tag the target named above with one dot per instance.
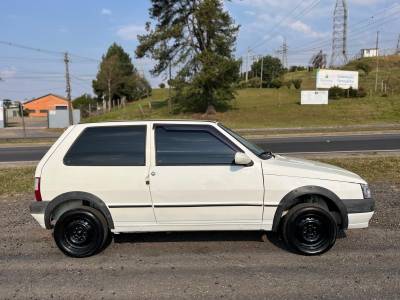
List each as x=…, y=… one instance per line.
x=339, y=37
x=283, y=52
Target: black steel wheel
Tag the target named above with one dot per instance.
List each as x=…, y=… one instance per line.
x=81, y=232
x=309, y=229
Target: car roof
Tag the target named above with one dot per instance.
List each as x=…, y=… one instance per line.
x=170, y=121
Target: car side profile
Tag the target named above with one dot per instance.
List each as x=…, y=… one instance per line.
x=108, y=178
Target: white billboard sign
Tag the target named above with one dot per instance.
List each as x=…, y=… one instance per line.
x=314, y=97
x=343, y=79
x=1, y=115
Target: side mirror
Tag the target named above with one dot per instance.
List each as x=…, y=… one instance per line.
x=242, y=159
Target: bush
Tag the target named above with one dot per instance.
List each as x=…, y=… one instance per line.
x=162, y=85
x=296, y=68
x=363, y=66
x=297, y=83
x=276, y=83
x=336, y=92
x=254, y=82
x=361, y=92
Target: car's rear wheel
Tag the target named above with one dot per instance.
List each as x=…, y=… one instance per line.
x=309, y=229
x=81, y=232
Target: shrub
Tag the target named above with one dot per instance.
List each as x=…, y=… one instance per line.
x=297, y=83
x=361, y=93
x=336, y=92
x=162, y=85
x=276, y=83
x=363, y=66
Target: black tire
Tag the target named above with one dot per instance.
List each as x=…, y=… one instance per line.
x=81, y=232
x=309, y=229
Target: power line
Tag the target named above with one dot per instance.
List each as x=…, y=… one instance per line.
x=30, y=48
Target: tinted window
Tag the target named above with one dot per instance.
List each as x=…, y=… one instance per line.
x=192, y=145
x=109, y=146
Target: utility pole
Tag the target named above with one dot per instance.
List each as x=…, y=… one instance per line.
x=247, y=64
x=68, y=89
x=262, y=71
x=377, y=61
x=397, y=47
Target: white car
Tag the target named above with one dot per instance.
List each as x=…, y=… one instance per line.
x=109, y=178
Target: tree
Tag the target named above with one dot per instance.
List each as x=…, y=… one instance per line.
x=272, y=69
x=117, y=78
x=86, y=103
x=197, y=36
x=162, y=85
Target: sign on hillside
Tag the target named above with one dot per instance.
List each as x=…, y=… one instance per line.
x=314, y=97
x=343, y=79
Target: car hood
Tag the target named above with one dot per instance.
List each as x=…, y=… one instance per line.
x=296, y=167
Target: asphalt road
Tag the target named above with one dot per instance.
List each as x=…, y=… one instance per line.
x=201, y=265
x=354, y=143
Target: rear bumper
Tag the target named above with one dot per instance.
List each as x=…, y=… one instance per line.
x=360, y=212
x=37, y=210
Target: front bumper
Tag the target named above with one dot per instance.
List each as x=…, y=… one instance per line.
x=360, y=212
x=37, y=210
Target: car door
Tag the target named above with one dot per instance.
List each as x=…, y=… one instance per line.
x=193, y=178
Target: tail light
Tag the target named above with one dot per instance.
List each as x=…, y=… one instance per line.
x=38, y=195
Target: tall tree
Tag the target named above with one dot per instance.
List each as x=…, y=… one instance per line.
x=272, y=69
x=117, y=77
x=197, y=37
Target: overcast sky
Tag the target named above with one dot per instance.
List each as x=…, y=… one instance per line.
x=87, y=28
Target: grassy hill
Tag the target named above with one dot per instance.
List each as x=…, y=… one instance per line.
x=262, y=108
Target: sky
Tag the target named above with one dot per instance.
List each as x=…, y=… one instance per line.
x=87, y=28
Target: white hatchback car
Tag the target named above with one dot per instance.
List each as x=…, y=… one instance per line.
x=104, y=178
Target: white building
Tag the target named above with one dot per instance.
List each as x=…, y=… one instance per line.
x=372, y=52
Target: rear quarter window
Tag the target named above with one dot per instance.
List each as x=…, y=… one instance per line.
x=109, y=146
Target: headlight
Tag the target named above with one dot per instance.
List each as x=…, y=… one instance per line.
x=366, y=191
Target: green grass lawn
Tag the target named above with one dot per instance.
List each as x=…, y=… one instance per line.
x=262, y=108
x=19, y=180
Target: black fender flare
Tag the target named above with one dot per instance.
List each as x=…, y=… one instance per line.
x=94, y=201
x=293, y=197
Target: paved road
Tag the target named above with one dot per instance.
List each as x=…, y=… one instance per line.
x=201, y=265
x=355, y=143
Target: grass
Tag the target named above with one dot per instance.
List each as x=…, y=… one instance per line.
x=262, y=108
x=16, y=180
x=19, y=180
x=372, y=169
x=279, y=108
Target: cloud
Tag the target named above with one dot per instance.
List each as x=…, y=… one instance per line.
x=249, y=13
x=304, y=28
x=8, y=72
x=365, y=2
x=130, y=32
x=106, y=12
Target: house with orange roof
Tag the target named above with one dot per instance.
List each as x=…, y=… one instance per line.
x=39, y=107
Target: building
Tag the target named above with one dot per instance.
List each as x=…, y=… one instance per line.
x=372, y=52
x=39, y=107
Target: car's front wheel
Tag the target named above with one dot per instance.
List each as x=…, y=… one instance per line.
x=309, y=229
x=81, y=232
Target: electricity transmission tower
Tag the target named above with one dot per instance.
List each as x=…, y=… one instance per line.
x=283, y=51
x=339, y=36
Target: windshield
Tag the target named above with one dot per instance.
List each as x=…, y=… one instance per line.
x=260, y=152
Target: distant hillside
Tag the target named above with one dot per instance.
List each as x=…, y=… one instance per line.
x=389, y=73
